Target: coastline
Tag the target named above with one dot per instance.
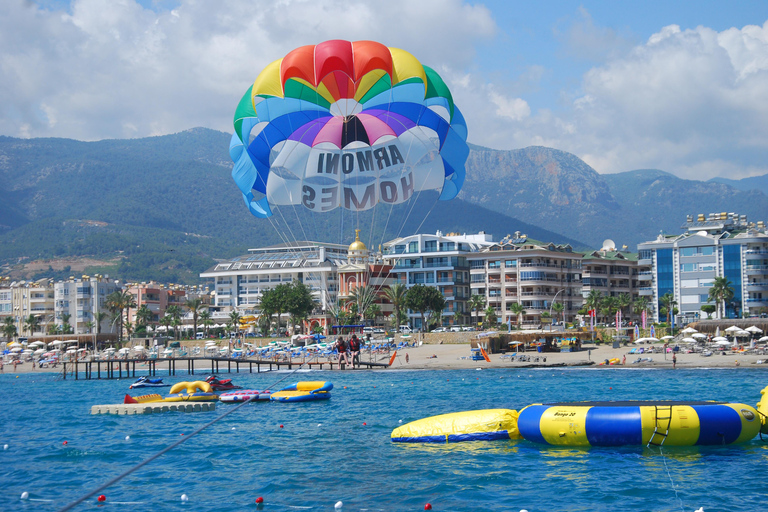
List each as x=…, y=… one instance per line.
x=451, y=356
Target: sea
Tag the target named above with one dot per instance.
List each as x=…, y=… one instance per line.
x=337, y=454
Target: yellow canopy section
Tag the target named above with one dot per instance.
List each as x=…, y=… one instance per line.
x=268, y=81
x=405, y=66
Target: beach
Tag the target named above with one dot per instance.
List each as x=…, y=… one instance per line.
x=451, y=356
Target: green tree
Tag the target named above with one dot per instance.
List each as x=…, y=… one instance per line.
x=174, y=312
x=166, y=321
x=609, y=306
x=668, y=302
x=234, y=320
x=518, y=310
x=641, y=304
x=119, y=303
x=424, y=299
x=475, y=304
x=709, y=309
x=195, y=306
x=143, y=316
x=720, y=293
x=275, y=301
x=490, y=317
x=32, y=324
x=395, y=294
x=300, y=302
x=65, y=327
x=558, y=308
x=9, y=328
x=98, y=318
x=206, y=320
x=623, y=301
x=593, y=300
x=363, y=297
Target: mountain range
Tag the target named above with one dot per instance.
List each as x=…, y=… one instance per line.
x=166, y=208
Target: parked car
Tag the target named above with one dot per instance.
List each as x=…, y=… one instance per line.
x=405, y=329
x=439, y=329
x=379, y=330
x=456, y=328
x=367, y=330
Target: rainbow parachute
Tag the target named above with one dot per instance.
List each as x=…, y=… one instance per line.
x=346, y=124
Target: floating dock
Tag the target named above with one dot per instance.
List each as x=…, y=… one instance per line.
x=153, y=407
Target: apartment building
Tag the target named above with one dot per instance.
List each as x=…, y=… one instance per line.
x=535, y=274
x=610, y=271
x=712, y=245
x=20, y=299
x=157, y=297
x=81, y=299
x=437, y=260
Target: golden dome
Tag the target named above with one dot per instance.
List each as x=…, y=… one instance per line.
x=357, y=245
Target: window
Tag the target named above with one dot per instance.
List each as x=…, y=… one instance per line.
x=688, y=251
x=447, y=246
x=689, y=267
x=704, y=297
x=510, y=263
x=494, y=264
x=413, y=247
x=430, y=246
x=707, y=251
x=476, y=264
x=645, y=254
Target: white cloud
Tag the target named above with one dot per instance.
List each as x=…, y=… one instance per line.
x=691, y=102
x=111, y=68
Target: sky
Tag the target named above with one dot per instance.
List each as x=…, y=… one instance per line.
x=678, y=86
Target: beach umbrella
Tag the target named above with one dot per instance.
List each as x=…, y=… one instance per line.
x=742, y=334
x=754, y=329
x=720, y=338
x=723, y=342
x=72, y=351
x=733, y=328
x=39, y=351
x=689, y=340
x=16, y=349
x=698, y=335
x=689, y=330
x=717, y=331
x=14, y=344
x=667, y=337
x=764, y=338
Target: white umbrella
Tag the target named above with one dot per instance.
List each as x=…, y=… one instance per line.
x=72, y=351
x=723, y=342
x=39, y=351
x=689, y=330
x=37, y=344
x=16, y=349
x=720, y=338
x=733, y=328
x=764, y=338
x=14, y=344
x=124, y=350
x=57, y=342
x=754, y=329
x=743, y=334
x=689, y=340
x=138, y=348
x=698, y=335
x=667, y=337
x=71, y=341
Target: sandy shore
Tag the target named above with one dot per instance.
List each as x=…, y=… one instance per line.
x=457, y=356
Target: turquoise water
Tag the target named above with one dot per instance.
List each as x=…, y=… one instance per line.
x=324, y=453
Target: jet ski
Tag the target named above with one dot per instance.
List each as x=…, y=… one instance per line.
x=146, y=382
x=221, y=384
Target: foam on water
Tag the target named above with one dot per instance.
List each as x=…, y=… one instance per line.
x=324, y=454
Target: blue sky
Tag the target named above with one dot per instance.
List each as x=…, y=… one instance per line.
x=679, y=86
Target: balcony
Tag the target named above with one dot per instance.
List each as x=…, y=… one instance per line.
x=756, y=269
x=757, y=286
x=753, y=300
x=645, y=291
x=645, y=262
x=645, y=276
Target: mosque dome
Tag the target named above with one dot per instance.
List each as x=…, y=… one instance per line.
x=357, y=245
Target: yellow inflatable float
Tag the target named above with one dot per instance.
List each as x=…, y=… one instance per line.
x=482, y=425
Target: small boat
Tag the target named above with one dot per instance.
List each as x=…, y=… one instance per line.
x=221, y=384
x=146, y=382
x=304, y=392
x=245, y=395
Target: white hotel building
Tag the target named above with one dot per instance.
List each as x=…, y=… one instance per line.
x=715, y=245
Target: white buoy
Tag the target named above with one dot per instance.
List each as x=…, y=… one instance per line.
x=338, y=505
x=523, y=510
x=319, y=425
x=233, y=428
x=701, y=509
x=25, y=495
x=5, y=447
x=184, y=498
x=127, y=438
x=400, y=421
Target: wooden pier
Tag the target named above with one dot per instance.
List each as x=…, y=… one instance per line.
x=126, y=368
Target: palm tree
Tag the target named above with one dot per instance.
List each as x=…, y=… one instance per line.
x=476, y=303
x=174, y=312
x=490, y=317
x=32, y=324
x=721, y=292
x=143, y=316
x=641, y=304
x=558, y=308
x=668, y=301
x=205, y=319
x=518, y=310
x=234, y=318
x=99, y=317
x=609, y=306
x=593, y=300
x=363, y=297
x=9, y=328
x=623, y=301
x=65, y=327
x=120, y=302
x=194, y=305
x=395, y=294
x=166, y=321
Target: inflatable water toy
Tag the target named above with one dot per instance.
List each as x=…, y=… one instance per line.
x=668, y=423
x=221, y=384
x=482, y=425
x=762, y=409
x=197, y=391
x=245, y=395
x=611, y=361
x=303, y=392
x=142, y=399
